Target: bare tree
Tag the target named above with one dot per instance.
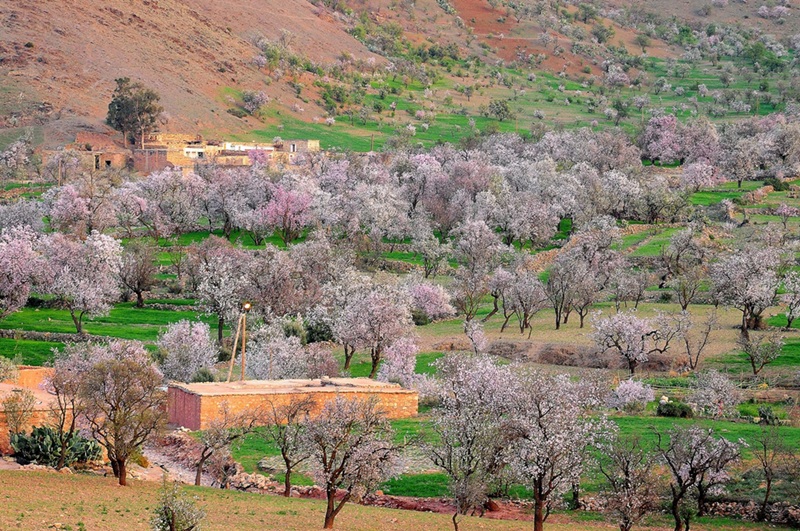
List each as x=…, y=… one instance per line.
x=223, y=430
x=67, y=407
x=138, y=270
x=18, y=408
x=761, y=350
x=351, y=448
x=774, y=455
x=695, y=340
x=632, y=484
x=693, y=457
x=286, y=427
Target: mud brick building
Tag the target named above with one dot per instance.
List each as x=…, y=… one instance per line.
x=193, y=406
x=32, y=379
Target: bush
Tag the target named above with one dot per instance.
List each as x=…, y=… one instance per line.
x=42, y=447
x=767, y=416
x=675, y=409
x=175, y=510
x=204, y=375
x=776, y=184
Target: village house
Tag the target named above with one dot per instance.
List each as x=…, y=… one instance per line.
x=98, y=151
x=94, y=151
x=163, y=150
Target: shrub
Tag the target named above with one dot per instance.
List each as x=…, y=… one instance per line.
x=675, y=409
x=42, y=448
x=175, y=510
x=776, y=184
x=204, y=375
x=767, y=416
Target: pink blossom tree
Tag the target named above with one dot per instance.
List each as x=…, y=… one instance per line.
x=20, y=266
x=288, y=212
x=400, y=362
x=429, y=301
x=373, y=321
x=82, y=276
x=222, y=283
x=552, y=428
x=786, y=212
x=695, y=459
x=475, y=393
x=697, y=175
x=660, y=141
x=791, y=283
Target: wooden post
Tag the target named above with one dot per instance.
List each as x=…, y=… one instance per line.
x=233, y=351
x=244, y=342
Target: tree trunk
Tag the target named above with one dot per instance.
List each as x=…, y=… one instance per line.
x=77, y=319
x=139, y=300
x=702, y=493
x=348, y=356
x=122, y=468
x=220, y=326
x=376, y=359
x=576, y=497
x=676, y=512
x=287, y=483
x=762, y=512
x=455, y=521
x=199, y=474
x=538, y=513
x=330, y=513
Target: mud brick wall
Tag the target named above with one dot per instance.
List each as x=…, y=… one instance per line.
x=195, y=411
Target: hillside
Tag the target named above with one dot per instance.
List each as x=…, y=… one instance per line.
x=353, y=61
x=59, y=59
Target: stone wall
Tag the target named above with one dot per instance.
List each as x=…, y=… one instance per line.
x=194, y=406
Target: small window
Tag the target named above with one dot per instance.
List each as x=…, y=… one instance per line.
x=97, y=162
x=293, y=148
x=108, y=163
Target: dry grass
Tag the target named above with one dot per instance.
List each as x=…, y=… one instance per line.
x=41, y=500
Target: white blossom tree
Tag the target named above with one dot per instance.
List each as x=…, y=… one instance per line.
x=351, y=448
x=632, y=337
x=186, y=348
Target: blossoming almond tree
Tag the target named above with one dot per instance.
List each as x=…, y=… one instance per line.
x=20, y=265
x=351, y=448
x=634, y=338
x=82, y=276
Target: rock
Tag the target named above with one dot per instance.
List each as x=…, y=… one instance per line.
x=492, y=506
x=378, y=493
x=265, y=466
x=65, y=470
